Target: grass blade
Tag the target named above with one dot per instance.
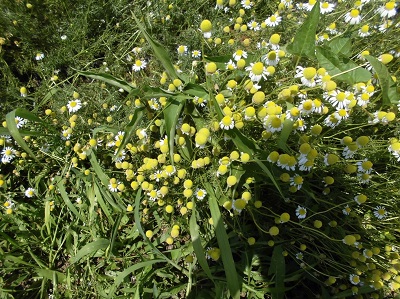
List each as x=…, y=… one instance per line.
x=64, y=195
x=277, y=268
x=171, y=116
x=121, y=276
x=196, y=242
x=107, y=78
x=90, y=249
x=223, y=243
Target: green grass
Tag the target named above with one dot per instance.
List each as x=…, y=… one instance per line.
x=176, y=176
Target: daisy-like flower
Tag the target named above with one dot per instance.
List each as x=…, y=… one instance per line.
x=239, y=205
x=139, y=65
x=271, y=58
x=246, y=4
x=113, y=185
x=354, y=279
x=297, y=181
x=301, y=212
x=353, y=17
x=388, y=10
x=309, y=5
x=380, y=212
x=364, y=31
x=394, y=149
x=230, y=65
x=364, y=166
x=154, y=104
x=196, y=53
x=273, y=21
x=299, y=256
x=332, y=28
x=20, y=122
x=341, y=114
x=331, y=121
x=8, y=154
x=364, y=178
x=30, y=192
x=239, y=54
x=154, y=195
x=262, y=45
x=346, y=211
x=253, y=25
x=39, y=56
x=74, y=105
x=306, y=107
x=307, y=75
x=360, y=199
x=199, y=101
x=338, y=99
x=182, y=50
x=137, y=50
x=273, y=123
x=200, y=194
x=257, y=71
x=326, y=7
x=227, y=123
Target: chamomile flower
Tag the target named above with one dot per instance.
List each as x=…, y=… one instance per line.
x=299, y=256
x=246, y=4
x=394, y=149
x=230, y=65
x=364, y=166
x=196, y=53
x=338, y=99
x=182, y=50
x=385, y=25
x=307, y=75
x=309, y=6
x=346, y=211
x=227, y=123
x=388, y=10
x=139, y=65
x=239, y=54
x=257, y=71
x=353, y=17
x=30, y=192
x=380, y=212
x=301, y=212
x=113, y=185
x=253, y=25
x=354, y=279
x=8, y=154
x=326, y=7
x=239, y=205
x=297, y=181
x=74, y=105
x=20, y=122
x=364, y=31
x=39, y=56
x=273, y=21
x=200, y=194
x=271, y=58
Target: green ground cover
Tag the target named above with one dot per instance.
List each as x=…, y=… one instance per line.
x=199, y=149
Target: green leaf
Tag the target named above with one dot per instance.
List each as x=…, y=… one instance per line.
x=64, y=195
x=196, y=242
x=340, y=46
x=160, y=53
x=277, y=268
x=285, y=133
x=389, y=90
x=49, y=274
x=14, y=132
x=223, y=242
x=121, y=276
x=171, y=115
x=304, y=41
x=342, y=69
x=130, y=128
x=90, y=249
x=107, y=78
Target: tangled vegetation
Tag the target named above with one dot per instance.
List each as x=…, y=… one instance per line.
x=208, y=149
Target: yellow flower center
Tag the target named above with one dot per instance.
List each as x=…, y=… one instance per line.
x=227, y=120
x=341, y=96
x=364, y=29
x=354, y=13
x=138, y=63
x=240, y=204
x=272, y=18
x=8, y=152
x=307, y=105
x=309, y=73
x=73, y=104
x=276, y=122
x=275, y=39
x=325, y=5
x=389, y=5
x=257, y=68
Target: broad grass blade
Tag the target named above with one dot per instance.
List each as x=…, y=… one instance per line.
x=171, y=115
x=64, y=195
x=277, y=268
x=90, y=249
x=107, y=78
x=196, y=242
x=223, y=242
x=389, y=90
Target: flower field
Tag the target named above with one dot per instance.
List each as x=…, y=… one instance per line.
x=199, y=149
